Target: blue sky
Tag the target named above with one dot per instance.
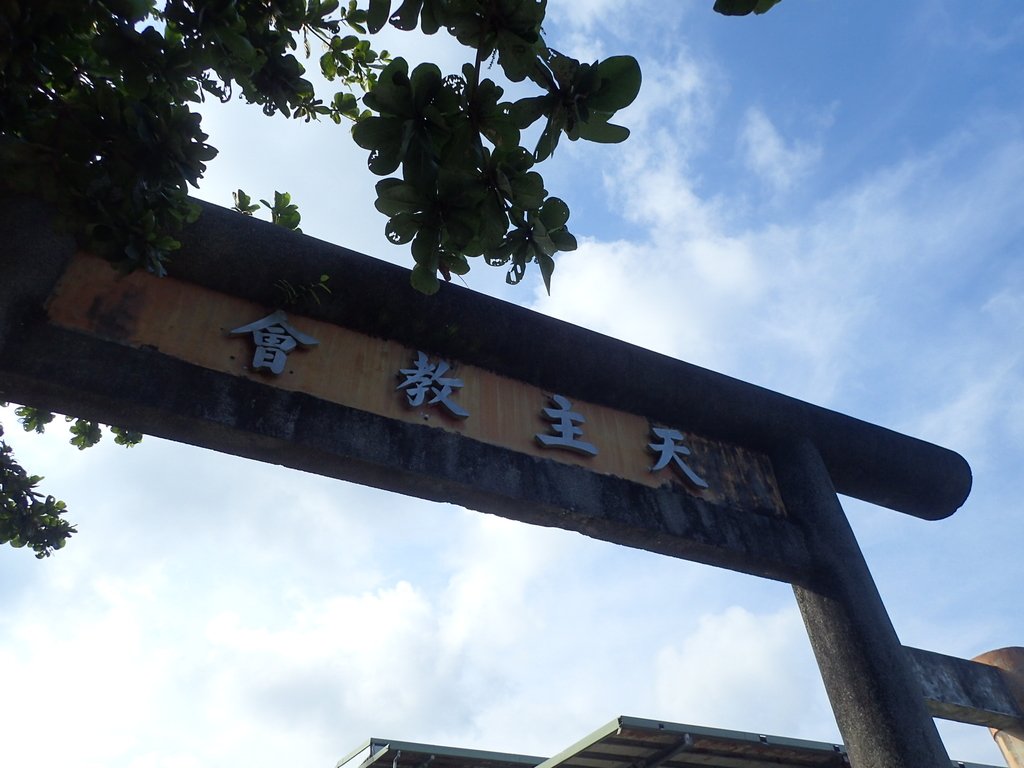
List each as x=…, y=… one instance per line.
x=826, y=201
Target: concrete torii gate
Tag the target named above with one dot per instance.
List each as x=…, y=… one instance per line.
x=466, y=399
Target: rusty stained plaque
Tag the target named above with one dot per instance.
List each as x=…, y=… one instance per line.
x=193, y=324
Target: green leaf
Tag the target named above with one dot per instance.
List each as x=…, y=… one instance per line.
x=744, y=7
x=563, y=239
x=33, y=419
x=517, y=55
x=424, y=280
x=419, y=164
x=424, y=248
x=547, y=266
x=377, y=15
x=601, y=132
x=526, y=112
x=554, y=213
x=406, y=16
x=392, y=94
x=383, y=136
x=620, y=80
x=239, y=45
x=132, y=10
x=395, y=196
x=517, y=271
x=401, y=228
x=85, y=434
x=377, y=132
x=329, y=65
x=457, y=264
x=472, y=31
x=243, y=203
x=424, y=82
x=433, y=16
x=327, y=7
x=283, y=212
x=564, y=68
x=345, y=103
x=549, y=137
x=528, y=190
x=129, y=438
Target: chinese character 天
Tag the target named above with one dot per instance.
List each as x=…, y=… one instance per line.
x=565, y=428
x=274, y=338
x=426, y=378
x=671, y=451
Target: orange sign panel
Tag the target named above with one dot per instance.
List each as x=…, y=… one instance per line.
x=235, y=336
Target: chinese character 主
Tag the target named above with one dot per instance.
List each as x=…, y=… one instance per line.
x=566, y=432
x=671, y=451
x=426, y=378
x=274, y=338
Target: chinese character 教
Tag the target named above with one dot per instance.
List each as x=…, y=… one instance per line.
x=426, y=378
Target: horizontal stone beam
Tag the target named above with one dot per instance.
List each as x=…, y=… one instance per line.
x=78, y=345
x=169, y=398
x=965, y=691
x=245, y=258
x=238, y=255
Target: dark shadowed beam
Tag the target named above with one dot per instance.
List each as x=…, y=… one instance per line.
x=244, y=257
x=965, y=691
x=169, y=398
x=236, y=254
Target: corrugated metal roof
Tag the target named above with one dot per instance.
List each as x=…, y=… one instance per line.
x=629, y=742
x=390, y=753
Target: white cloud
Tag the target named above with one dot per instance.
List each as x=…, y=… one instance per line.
x=99, y=688
x=796, y=301
x=983, y=404
x=745, y=671
x=766, y=152
x=943, y=26
x=613, y=19
x=675, y=106
x=659, y=296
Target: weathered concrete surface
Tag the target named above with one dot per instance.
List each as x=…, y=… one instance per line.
x=191, y=323
x=89, y=376
x=1009, y=662
x=245, y=257
x=965, y=691
x=875, y=698
x=32, y=258
x=172, y=399
x=237, y=255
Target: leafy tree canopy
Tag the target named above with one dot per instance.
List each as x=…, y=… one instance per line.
x=97, y=103
x=97, y=116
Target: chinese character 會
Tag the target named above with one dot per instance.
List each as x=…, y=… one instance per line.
x=426, y=378
x=274, y=338
x=670, y=451
x=566, y=431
